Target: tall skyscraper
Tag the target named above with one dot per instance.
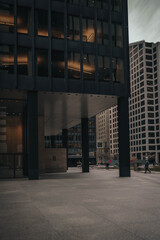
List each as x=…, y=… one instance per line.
x=61, y=62
x=144, y=103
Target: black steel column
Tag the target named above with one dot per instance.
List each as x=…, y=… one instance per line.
x=123, y=121
x=32, y=122
x=85, y=145
x=65, y=142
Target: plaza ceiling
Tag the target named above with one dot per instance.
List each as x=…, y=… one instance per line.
x=65, y=110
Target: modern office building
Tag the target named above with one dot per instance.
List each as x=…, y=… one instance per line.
x=144, y=103
x=61, y=62
x=74, y=153
x=102, y=137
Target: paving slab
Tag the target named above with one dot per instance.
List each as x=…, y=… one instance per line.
x=81, y=206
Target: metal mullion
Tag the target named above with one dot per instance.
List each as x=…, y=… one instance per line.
x=110, y=39
x=34, y=59
x=96, y=48
x=66, y=46
x=81, y=50
x=50, y=45
x=15, y=42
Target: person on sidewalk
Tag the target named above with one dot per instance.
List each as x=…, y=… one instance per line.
x=147, y=167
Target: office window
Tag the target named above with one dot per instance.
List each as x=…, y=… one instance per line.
x=42, y=62
x=58, y=64
x=57, y=23
x=88, y=32
x=118, y=70
x=24, y=20
x=102, y=32
x=41, y=23
x=73, y=65
x=116, y=5
x=6, y=18
x=102, y=4
x=6, y=59
x=73, y=28
x=88, y=67
x=24, y=61
x=73, y=1
x=103, y=68
x=117, y=35
x=89, y=3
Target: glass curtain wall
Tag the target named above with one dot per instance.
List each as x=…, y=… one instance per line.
x=6, y=17
x=42, y=62
x=58, y=64
x=88, y=30
x=24, y=61
x=89, y=67
x=73, y=63
x=102, y=32
x=24, y=20
x=104, y=68
x=73, y=28
x=6, y=59
x=41, y=23
x=118, y=70
x=57, y=23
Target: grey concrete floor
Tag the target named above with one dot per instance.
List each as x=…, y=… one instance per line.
x=91, y=206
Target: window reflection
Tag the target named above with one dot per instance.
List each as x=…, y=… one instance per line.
x=102, y=4
x=73, y=65
x=103, y=68
x=42, y=62
x=6, y=59
x=88, y=32
x=116, y=5
x=89, y=3
x=57, y=25
x=41, y=22
x=58, y=64
x=6, y=17
x=102, y=32
x=24, y=20
x=89, y=67
x=118, y=70
x=73, y=28
x=73, y=1
x=117, y=35
x=24, y=61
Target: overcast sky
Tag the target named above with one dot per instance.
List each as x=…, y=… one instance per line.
x=144, y=20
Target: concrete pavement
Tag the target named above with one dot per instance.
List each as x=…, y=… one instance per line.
x=81, y=206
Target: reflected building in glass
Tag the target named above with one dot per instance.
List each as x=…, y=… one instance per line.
x=66, y=61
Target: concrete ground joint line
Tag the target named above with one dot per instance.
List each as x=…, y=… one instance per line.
x=116, y=224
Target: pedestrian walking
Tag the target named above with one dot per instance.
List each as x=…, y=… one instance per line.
x=147, y=167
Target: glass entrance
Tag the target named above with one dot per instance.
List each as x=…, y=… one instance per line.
x=12, y=138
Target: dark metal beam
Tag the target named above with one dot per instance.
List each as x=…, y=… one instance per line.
x=123, y=121
x=85, y=145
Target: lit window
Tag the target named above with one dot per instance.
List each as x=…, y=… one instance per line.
x=88, y=33
x=24, y=20
x=6, y=17
x=6, y=59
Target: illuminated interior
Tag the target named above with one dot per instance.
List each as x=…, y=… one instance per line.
x=6, y=20
x=88, y=35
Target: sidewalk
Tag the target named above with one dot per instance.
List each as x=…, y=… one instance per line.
x=81, y=206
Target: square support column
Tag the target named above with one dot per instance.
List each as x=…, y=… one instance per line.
x=32, y=143
x=85, y=145
x=65, y=142
x=123, y=122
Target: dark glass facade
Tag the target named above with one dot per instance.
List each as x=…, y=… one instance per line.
x=64, y=47
x=84, y=52
x=74, y=142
